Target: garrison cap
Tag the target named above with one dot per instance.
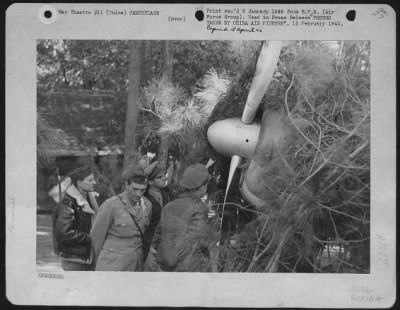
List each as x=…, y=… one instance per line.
x=194, y=176
x=135, y=175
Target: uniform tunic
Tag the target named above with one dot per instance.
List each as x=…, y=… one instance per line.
x=183, y=235
x=155, y=196
x=116, y=239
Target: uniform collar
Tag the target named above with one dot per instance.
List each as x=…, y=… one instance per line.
x=189, y=195
x=124, y=198
x=80, y=200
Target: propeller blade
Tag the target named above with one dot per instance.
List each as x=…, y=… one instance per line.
x=235, y=162
x=265, y=68
x=266, y=64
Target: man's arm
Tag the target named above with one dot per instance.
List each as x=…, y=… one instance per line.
x=101, y=226
x=65, y=227
x=157, y=235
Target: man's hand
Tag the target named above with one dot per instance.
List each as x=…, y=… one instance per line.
x=210, y=163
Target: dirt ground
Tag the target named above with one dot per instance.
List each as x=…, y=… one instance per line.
x=46, y=260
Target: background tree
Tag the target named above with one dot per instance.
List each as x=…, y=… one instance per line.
x=136, y=68
x=163, y=150
x=81, y=82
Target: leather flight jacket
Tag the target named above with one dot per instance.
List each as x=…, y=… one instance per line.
x=71, y=229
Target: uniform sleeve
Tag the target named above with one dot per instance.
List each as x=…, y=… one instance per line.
x=149, y=212
x=101, y=225
x=157, y=235
x=155, y=215
x=197, y=227
x=65, y=227
x=196, y=234
x=158, y=229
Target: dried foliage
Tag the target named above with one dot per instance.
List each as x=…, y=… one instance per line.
x=317, y=182
x=244, y=52
x=313, y=70
x=212, y=89
x=232, y=104
x=184, y=117
x=163, y=98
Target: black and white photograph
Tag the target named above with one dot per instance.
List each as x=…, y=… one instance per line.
x=203, y=156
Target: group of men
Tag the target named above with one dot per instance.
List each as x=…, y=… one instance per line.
x=135, y=227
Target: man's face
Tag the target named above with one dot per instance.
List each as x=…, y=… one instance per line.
x=160, y=181
x=135, y=191
x=87, y=184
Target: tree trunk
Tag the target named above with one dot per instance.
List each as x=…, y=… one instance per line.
x=168, y=61
x=164, y=138
x=135, y=76
x=163, y=151
x=148, y=50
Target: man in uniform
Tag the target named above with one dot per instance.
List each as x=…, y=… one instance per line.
x=117, y=233
x=183, y=236
x=158, y=182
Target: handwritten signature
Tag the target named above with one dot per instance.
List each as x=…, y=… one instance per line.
x=380, y=13
x=12, y=206
x=382, y=250
x=364, y=294
x=234, y=29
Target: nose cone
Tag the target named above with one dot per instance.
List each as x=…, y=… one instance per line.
x=231, y=137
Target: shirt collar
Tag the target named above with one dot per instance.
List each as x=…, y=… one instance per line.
x=124, y=198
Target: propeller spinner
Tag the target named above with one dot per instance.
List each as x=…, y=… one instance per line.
x=239, y=138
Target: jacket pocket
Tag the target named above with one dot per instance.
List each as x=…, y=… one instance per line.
x=124, y=226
